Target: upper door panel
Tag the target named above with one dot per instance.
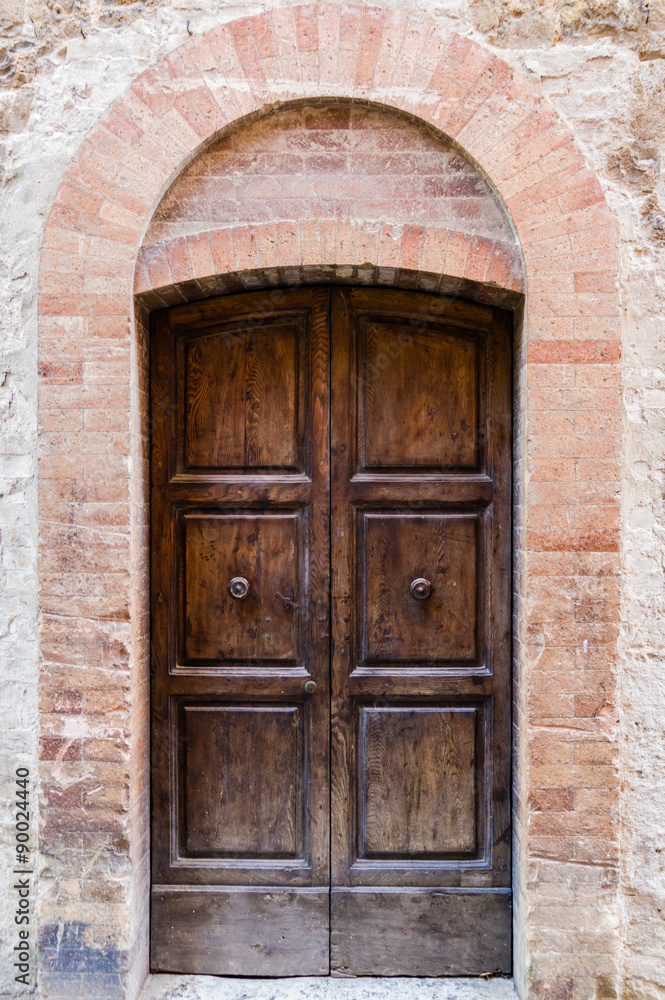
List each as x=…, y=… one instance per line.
x=242, y=388
x=421, y=395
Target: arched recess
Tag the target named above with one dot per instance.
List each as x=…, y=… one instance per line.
x=93, y=925
x=330, y=184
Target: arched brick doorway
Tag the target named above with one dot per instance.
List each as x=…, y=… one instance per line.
x=93, y=492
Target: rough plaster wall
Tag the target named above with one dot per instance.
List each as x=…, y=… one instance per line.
x=601, y=64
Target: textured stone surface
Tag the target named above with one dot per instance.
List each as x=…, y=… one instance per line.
x=534, y=23
x=600, y=66
x=208, y=988
x=566, y=444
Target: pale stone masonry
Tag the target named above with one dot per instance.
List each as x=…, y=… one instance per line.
x=533, y=137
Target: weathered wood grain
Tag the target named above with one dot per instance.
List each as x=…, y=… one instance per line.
x=418, y=397
x=417, y=782
x=240, y=932
x=413, y=802
x=241, y=774
x=421, y=469
x=261, y=548
x=441, y=932
x=240, y=764
x=241, y=390
x=396, y=549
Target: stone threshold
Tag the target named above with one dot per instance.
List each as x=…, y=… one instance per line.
x=174, y=987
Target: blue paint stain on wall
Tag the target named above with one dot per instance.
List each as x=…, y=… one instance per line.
x=67, y=948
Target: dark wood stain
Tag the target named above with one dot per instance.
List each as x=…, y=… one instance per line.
x=418, y=390
x=261, y=548
x=330, y=513
x=231, y=809
x=443, y=549
x=257, y=394
x=444, y=933
x=230, y=932
x=419, y=800
x=417, y=768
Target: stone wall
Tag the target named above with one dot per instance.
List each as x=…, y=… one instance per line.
x=600, y=67
x=567, y=446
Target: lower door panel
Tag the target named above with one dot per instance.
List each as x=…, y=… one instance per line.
x=420, y=932
x=240, y=931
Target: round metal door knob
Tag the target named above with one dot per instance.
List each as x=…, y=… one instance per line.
x=420, y=589
x=310, y=687
x=238, y=588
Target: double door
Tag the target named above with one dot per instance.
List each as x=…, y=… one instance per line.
x=330, y=552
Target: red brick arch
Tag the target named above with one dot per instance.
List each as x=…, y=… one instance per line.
x=94, y=691
x=453, y=261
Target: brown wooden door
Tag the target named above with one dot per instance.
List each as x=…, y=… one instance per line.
x=314, y=813
x=240, y=624
x=420, y=805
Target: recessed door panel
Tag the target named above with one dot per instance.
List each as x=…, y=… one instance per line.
x=241, y=586
x=230, y=810
x=419, y=394
x=242, y=392
x=418, y=775
x=421, y=579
